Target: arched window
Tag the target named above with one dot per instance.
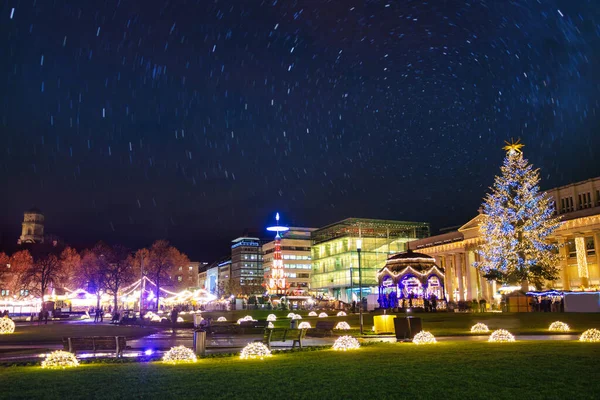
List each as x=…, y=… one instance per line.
x=29, y=231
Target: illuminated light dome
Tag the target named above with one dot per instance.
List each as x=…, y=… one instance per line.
x=297, y=316
x=270, y=325
x=291, y=315
x=160, y=312
x=501, y=336
x=424, y=337
x=304, y=325
x=558, y=326
x=244, y=319
x=255, y=350
x=7, y=326
x=272, y=317
x=179, y=319
x=107, y=315
x=591, y=335
x=85, y=316
x=341, y=314
x=480, y=328
x=312, y=314
x=345, y=343
x=179, y=354
x=323, y=315
x=342, y=326
x=149, y=314
x=155, y=318
x=163, y=319
x=183, y=313
x=221, y=319
x=60, y=360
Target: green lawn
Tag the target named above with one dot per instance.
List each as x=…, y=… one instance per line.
x=449, y=370
x=445, y=324
x=53, y=333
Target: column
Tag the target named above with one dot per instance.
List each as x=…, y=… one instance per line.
x=448, y=278
x=582, y=266
x=597, y=252
x=458, y=264
x=564, y=263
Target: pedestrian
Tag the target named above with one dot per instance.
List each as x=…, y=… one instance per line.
x=46, y=315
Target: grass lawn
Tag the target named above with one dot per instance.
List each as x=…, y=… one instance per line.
x=54, y=332
x=449, y=370
x=445, y=324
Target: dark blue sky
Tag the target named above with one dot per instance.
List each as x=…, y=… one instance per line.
x=131, y=121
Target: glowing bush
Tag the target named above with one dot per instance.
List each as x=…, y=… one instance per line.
x=60, y=360
x=344, y=343
x=297, y=316
x=304, y=325
x=341, y=314
x=424, y=337
x=501, y=336
x=291, y=315
x=323, y=315
x=7, y=326
x=179, y=319
x=272, y=317
x=591, y=335
x=255, y=350
x=179, y=354
x=558, y=326
x=312, y=314
x=343, y=326
x=221, y=319
x=480, y=328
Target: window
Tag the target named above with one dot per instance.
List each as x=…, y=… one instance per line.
x=191, y=268
x=571, y=248
x=179, y=278
x=4, y=292
x=24, y=292
x=589, y=246
x=181, y=268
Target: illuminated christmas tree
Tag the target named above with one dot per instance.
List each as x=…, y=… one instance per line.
x=518, y=220
x=276, y=282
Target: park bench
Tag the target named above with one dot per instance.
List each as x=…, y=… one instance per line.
x=283, y=334
x=322, y=329
x=95, y=344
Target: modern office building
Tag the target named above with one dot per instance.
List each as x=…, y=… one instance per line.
x=578, y=237
x=247, y=263
x=335, y=256
x=296, y=255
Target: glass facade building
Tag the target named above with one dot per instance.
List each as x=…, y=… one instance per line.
x=247, y=261
x=335, y=257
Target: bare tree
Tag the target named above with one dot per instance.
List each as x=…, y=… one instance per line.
x=4, y=267
x=160, y=262
x=91, y=274
x=18, y=263
x=119, y=271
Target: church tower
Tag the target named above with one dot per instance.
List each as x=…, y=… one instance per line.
x=33, y=227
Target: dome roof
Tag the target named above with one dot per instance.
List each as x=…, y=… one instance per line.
x=410, y=255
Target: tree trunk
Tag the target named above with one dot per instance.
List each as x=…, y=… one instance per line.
x=157, y=293
x=116, y=299
x=525, y=285
x=97, y=301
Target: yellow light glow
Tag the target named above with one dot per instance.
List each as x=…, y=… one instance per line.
x=501, y=336
x=345, y=343
x=591, y=335
x=179, y=354
x=480, y=328
x=424, y=337
x=221, y=319
x=7, y=326
x=558, y=326
x=60, y=360
x=255, y=350
x=514, y=146
x=582, y=266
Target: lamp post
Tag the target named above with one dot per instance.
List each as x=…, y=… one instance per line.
x=360, y=308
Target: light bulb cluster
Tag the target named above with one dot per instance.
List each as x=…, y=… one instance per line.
x=501, y=336
x=270, y=325
x=297, y=316
x=304, y=325
x=255, y=350
x=345, y=343
x=480, y=328
x=244, y=319
x=60, y=360
x=7, y=326
x=291, y=315
x=179, y=354
x=591, y=335
x=179, y=319
x=312, y=314
x=221, y=319
x=342, y=326
x=272, y=318
x=558, y=326
x=424, y=337
x=323, y=315
x=341, y=314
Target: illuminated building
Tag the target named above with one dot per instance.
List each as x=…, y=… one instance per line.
x=578, y=237
x=32, y=227
x=335, y=259
x=246, y=263
x=186, y=276
x=295, y=253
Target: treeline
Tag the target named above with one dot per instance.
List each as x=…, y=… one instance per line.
x=104, y=268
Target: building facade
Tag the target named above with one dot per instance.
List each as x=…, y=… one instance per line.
x=296, y=255
x=578, y=237
x=186, y=276
x=335, y=257
x=247, y=263
x=32, y=228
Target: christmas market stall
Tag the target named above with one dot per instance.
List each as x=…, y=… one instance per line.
x=411, y=280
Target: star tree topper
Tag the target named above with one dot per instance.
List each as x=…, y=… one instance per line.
x=514, y=147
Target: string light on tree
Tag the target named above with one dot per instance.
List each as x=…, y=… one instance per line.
x=518, y=220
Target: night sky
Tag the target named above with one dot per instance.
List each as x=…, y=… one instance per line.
x=195, y=121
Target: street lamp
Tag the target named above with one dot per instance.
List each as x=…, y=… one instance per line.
x=360, y=308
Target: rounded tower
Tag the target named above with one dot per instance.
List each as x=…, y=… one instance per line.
x=33, y=227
